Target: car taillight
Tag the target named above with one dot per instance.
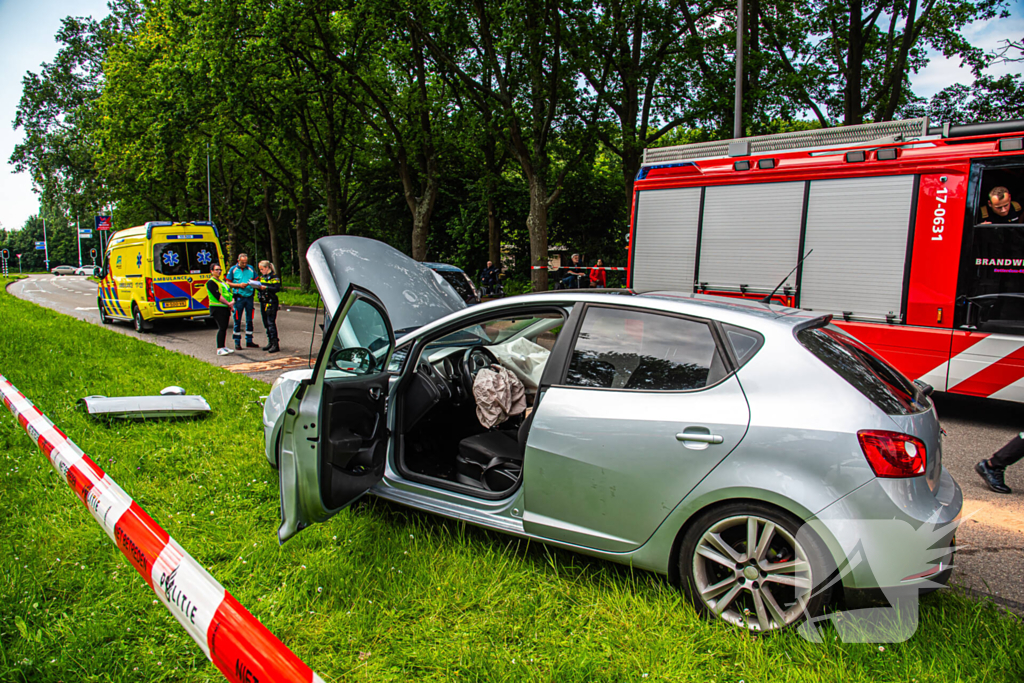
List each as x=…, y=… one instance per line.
x=891, y=454
x=150, y=294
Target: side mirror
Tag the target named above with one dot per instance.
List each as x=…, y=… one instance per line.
x=355, y=359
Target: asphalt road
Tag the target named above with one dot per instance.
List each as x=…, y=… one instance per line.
x=76, y=296
x=990, y=559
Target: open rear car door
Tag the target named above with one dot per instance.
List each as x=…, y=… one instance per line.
x=334, y=437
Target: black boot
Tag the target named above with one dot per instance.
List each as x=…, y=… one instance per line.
x=273, y=348
x=269, y=344
x=993, y=476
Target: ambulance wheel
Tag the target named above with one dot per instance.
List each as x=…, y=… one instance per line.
x=103, y=315
x=140, y=322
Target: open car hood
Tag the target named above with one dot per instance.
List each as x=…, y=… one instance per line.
x=412, y=293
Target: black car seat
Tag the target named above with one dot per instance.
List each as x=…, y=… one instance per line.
x=493, y=460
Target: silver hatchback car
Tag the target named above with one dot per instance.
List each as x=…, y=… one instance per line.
x=758, y=456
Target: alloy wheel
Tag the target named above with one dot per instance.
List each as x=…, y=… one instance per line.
x=752, y=572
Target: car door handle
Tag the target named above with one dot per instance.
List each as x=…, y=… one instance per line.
x=699, y=438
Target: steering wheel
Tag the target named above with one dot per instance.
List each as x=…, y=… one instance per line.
x=475, y=359
x=353, y=359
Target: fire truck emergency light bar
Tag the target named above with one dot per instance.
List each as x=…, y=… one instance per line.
x=242, y=648
x=880, y=133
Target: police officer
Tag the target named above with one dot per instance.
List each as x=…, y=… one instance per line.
x=268, y=288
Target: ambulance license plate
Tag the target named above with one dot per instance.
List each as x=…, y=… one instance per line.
x=175, y=303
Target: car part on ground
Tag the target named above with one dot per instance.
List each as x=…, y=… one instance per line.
x=146, y=407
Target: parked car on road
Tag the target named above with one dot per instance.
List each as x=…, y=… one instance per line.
x=746, y=450
x=93, y=271
x=63, y=270
x=458, y=279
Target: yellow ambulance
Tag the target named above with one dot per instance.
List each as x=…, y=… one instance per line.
x=158, y=270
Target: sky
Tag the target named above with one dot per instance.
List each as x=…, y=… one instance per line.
x=27, y=28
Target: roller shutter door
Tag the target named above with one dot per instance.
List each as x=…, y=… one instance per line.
x=750, y=235
x=665, y=239
x=858, y=229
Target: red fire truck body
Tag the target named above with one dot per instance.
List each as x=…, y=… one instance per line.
x=888, y=218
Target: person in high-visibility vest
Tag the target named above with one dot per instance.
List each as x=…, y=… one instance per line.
x=221, y=305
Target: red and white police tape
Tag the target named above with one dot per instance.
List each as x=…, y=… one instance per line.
x=579, y=267
x=232, y=638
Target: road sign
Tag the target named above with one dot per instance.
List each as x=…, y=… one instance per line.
x=104, y=222
x=40, y=246
x=85, y=232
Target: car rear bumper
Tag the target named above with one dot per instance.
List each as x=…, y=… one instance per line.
x=893, y=536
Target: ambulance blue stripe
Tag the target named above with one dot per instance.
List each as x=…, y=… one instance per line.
x=173, y=289
x=116, y=301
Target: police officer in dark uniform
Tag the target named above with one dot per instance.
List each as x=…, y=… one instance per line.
x=270, y=285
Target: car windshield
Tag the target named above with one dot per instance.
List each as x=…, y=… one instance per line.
x=459, y=282
x=489, y=333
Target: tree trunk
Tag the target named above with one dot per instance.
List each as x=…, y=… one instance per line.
x=632, y=158
x=275, y=253
x=493, y=234
x=537, y=224
x=301, y=218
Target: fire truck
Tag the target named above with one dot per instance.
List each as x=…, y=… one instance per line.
x=881, y=225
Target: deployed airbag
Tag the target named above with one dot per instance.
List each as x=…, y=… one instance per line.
x=499, y=395
x=525, y=358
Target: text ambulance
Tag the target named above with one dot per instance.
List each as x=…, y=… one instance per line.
x=158, y=270
x=890, y=215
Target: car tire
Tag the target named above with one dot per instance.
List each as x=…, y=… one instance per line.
x=140, y=322
x=103, y=316
x=784, y=581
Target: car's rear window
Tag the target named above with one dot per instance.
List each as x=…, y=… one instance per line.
x=865, y=370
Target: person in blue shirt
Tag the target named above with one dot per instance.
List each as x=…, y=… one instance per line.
x=238, y=279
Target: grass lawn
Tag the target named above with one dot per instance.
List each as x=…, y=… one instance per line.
x=379, y=593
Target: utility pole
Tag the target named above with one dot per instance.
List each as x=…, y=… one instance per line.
x=78, y=220
x=46, y=248
x=209, y=197
x=737, y=118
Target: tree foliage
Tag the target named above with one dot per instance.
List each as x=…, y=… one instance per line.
x=459, y=130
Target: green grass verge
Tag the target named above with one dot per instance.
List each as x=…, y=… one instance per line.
x=294, y=297
x=379, y=593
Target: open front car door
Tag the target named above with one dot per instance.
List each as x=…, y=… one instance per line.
x=335, y=438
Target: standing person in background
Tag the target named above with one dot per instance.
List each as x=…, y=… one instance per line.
x=240, y=278
x=268, y=288
x=220, y=306
x=597, y=275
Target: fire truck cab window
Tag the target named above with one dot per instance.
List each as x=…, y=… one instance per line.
x=994, y=300
x=1007, y=206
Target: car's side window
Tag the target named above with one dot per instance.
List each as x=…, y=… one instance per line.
x=628, y=349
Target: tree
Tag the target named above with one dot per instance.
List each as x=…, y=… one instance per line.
x=852, y=60
x=516, y=74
